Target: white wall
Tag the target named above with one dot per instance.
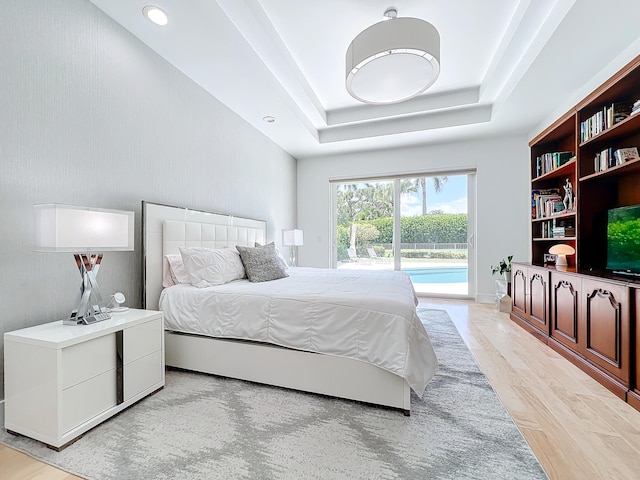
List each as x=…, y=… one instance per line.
x=90, y=116
x=502, y=195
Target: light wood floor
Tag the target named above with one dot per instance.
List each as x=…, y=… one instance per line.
x=576, y=428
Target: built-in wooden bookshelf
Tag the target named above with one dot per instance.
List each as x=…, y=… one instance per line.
x=587, y=313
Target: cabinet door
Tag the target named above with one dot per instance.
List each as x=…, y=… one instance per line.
x=143, y=359
x=519, y=291
x=538, y=295
x=637, y=343
x=565, y=296
x=605, y=323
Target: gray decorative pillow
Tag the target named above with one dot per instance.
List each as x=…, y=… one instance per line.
x=281, y=260
x=261, y=263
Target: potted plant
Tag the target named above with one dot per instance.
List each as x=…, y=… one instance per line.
x=503, y=268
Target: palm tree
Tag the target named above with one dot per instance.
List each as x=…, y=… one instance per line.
x=420, y=184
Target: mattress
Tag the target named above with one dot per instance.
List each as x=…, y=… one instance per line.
x=363, y=315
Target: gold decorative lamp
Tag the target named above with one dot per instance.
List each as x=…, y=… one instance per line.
x=83, y=231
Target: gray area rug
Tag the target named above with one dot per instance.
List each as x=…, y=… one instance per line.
x=205, y=427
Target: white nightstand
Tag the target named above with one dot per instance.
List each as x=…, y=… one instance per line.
x=61, y=380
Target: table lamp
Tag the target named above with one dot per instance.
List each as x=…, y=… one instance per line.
x=561, y=250
x=83, y=231
x=293, y=238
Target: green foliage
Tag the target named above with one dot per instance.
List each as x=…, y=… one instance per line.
x=384, y=226
x=502, y=267
x=365, y=232
x=624, y=242
x=364, y=201
x=343, y=242
x=445, y=228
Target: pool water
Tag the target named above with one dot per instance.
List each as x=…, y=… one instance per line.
x=437, y=275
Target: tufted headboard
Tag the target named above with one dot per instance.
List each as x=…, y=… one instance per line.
x=165, y=229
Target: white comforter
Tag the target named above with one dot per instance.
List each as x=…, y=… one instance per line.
x=363, y=315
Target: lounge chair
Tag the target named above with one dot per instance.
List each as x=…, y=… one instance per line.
x=372, y=254
x=353, y=256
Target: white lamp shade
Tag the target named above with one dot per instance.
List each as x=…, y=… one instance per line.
x=562, y=249
x=292, y=238
x=72, y=229
x=393, y=60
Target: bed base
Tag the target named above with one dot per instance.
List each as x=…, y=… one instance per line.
x=283, y=367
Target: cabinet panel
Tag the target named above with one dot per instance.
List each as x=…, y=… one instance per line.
x=565, y=308
x=519, y=290
x=86, y=400
x=538, y=288
x=142, y=374
x=605, y=321
x=88, y=359
x=636, y=353
x=142, y=340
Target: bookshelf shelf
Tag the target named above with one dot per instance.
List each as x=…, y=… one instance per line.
x=554, y=239
x=630, y=166
x=620, y=130
x=554, y=217
x=562, y=171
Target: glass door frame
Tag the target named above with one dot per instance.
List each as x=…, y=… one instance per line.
x=471, y=219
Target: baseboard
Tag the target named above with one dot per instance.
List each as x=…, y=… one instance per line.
x=485, y=298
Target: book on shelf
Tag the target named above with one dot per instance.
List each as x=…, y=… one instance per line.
x=636, y=107
x=605, y=118
x=550, y=161
x=621, y=155
x=609, y=157
x=543, y=201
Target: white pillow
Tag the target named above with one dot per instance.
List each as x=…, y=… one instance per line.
x=207, y=267
x=173, y=271
x=167, y=277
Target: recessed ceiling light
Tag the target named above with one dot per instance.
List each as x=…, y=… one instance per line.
x=269, y=119
x=156, y=15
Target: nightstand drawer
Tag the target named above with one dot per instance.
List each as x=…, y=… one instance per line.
x=88, y=359
x=84, y=401
x=142, y=340
x=142, y=374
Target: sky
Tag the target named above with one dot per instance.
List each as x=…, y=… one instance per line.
x=451, y=199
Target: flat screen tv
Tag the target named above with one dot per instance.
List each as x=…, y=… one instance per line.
x=623, y=240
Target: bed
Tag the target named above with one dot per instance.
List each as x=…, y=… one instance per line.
x=371, y=346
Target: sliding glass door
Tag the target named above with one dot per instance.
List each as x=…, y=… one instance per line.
x=429, y=235
x=364, y=228
x=434, y=233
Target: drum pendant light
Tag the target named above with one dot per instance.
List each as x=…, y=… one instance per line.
x=393, y=60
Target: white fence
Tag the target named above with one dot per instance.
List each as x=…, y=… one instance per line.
x=424, y=246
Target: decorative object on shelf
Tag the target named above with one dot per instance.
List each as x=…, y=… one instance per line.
x=568, y=196
x=561, y=250
x=393, y=60
x=550, y=258
x=115, y=305
x=503, y=268
x=83, y=231
x=293, y=238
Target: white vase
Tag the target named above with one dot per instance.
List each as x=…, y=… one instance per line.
x=507, y=277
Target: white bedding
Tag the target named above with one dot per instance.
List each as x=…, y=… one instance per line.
x=363, y=315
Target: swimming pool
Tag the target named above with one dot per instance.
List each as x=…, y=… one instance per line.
x=438, y=274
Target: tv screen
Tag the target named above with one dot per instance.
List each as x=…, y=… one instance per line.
x=623, y=239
